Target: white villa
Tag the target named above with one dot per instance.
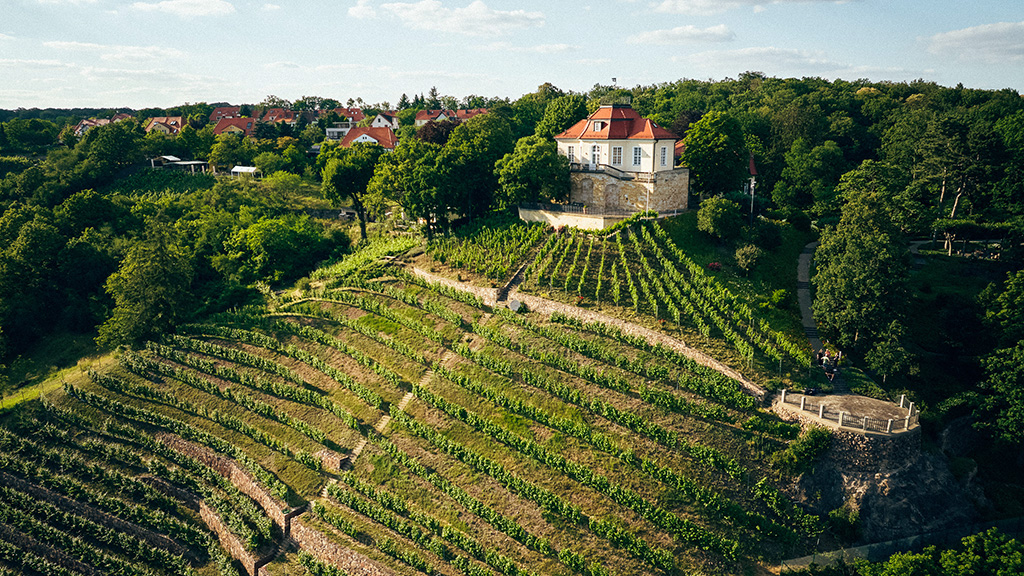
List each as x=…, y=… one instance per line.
x=623, y=164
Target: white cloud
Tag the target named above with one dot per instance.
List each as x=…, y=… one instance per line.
x=187, y=8
x=6, y=37
x=988, y=42
x=475, y=19
x=270, y=7
x=282, y=65
x=20, y=62
x=770, y=59
x=715, y=6
x=534, y=49
x=683, y=35
x=66, y=1
x=116, y=53
x=362, y=10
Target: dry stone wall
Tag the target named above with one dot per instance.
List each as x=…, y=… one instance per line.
x=668, y=191
x=227, y=539
x=317, y=544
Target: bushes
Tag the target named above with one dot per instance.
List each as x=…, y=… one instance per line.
x=804, y=452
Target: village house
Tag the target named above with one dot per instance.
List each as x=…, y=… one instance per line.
x=384, y=137
x=169, y=125
x=233, y=125
x=424, y=116
x=388, y=119
x=222, y=112
x=622, y=163
x=83, y=126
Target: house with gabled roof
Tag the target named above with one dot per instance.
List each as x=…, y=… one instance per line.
x=386, y=119
x=622, y=163
x=351, y=114
x=86, y=124
x=221, y=112
x=424, y=116
x=275, y=115
x=243, y=126
x=383, y=136
x=170, y=125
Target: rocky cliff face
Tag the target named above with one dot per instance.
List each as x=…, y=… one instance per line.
x=897, y=489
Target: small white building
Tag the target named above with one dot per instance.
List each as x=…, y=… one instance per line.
x=245, y=171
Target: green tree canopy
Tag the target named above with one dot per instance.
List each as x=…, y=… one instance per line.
x=532, y=172
x=561, y=113
x=862, y=264
x=151, y=289
x=720, y=218
x=347, y=174
x=716, y=154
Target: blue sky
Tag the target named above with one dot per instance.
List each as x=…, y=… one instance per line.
x=141, y=53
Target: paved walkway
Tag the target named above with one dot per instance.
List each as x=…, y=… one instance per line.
x=803, y=296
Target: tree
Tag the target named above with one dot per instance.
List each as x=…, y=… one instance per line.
x=347, y=175
x=716, y=154
x=410, y=177
x=1004, y=308
x=269, y=162
x=533, y=171
x=231, y=150
x=747, y=257
x=862, y=264
x=889, y=355
x=561, y=113
x=438, y=132
x=150, y=289
x=468, y=161
x=810, y=177
x=720, y=218
x=273, y=249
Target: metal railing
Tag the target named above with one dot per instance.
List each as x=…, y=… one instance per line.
x=849, y=420
x=576, y=208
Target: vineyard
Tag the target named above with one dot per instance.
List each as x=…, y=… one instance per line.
x=641, y=269
x=418, y=428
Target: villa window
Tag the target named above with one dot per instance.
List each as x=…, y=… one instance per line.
x=572, y=154
x=616, y=155
x=637, y=155
x=664, y=155
x=598, y=126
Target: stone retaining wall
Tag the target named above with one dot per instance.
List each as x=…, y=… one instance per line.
x=488, y=295
x=318, y=545
x=228, y=539
x=274, y=508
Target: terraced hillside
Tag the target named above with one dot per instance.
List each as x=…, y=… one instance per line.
x=410, y=425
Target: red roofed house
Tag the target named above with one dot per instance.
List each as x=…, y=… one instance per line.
x=242, y=125
x=386, y=119
x=424, y=116
x=622, y=163
x=275, y=115
x=385, y=137
x=223, y=112
x=167, y=124
x=353, y=114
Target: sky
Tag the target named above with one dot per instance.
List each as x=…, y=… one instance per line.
x=162, y=53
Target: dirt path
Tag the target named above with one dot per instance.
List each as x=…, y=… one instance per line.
x=803, y=296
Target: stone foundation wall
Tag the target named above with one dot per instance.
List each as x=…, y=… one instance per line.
x=318, y=545
x=572, y=219
x=669, y=191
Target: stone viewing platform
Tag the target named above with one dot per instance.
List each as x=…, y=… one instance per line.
x=850, y=412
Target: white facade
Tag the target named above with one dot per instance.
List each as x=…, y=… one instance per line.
x=631, y=155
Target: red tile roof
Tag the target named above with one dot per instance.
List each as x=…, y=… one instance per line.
x=171, y=124
x=619, y=123
x=245, y=125
x=278, y=115
x=353, y=114
x=225, y=112
x=384, y=136
x=427, y=115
